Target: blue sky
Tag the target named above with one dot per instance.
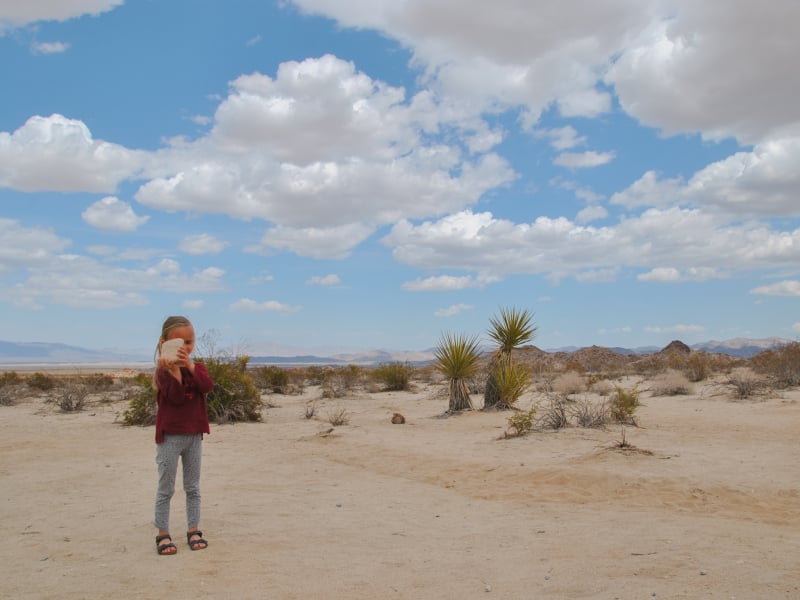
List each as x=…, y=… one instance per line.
x=335, y=175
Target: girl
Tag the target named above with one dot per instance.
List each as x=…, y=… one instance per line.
x=181, y=421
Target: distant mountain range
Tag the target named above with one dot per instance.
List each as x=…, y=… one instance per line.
x=35, y=353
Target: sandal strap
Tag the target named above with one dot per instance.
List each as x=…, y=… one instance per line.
x=189, y=534
x=160, y=538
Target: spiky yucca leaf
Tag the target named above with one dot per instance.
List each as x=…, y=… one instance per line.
x=512, y=329
x=511, y=381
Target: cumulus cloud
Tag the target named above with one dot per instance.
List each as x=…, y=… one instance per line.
x=688, y=241
x=56, y=153
x=112, y=214
x=678, y=329
x=248, y=305
x=202, y=243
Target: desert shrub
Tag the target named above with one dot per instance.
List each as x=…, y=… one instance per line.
x=602, y=387
x=72, y=396
x=41, y=382
x=97, y=382
x=671, y=383
x=142, y=405
x=9, y=394
x=235, y=396
x=555, y=413
x=9, y=378
x=395, y=376
x=698, y=366
x=521, y=422
x=569, y=383
x=271, y=378
x=338, y=416
x=574, y=366
x=781, y=365
x=338, y=382
x=511, y=380
x=624, y=403
x=590, y=414
x=744, y=383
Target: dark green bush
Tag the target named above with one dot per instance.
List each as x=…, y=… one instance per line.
x=142, y=407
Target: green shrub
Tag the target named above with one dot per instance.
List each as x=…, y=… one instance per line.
x=142, y=406
x=394, y=376
x=235, y=396
x=521, y=422
x=624, y=404
x=698, y=366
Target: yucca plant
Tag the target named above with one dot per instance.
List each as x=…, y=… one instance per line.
x=510, y=330
x=458, y=359
x=511, y=380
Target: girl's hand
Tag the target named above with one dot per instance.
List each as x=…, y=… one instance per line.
x=184, y=360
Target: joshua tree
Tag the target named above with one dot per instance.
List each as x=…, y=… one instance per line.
x=457, y=358
x=510, y=330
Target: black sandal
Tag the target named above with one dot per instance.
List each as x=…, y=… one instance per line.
x=160, y=548
x=193, y=544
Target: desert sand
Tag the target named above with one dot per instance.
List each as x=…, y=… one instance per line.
x=708, y=507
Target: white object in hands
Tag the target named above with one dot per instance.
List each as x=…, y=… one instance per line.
x=169, y=349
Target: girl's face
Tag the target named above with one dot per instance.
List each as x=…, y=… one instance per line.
x=186, y=333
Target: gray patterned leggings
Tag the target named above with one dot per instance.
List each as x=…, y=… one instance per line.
x=189, y=448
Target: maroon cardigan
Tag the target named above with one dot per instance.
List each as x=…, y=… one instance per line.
x=182, y=405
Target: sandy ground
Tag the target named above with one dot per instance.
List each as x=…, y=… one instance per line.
x=434, y=508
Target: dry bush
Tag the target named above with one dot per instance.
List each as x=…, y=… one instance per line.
x=41, y=382
x=744, y=383
x=569, y=383
x=311, y=409
x=72, y=396
x=338, y=416
x=590, y=414
x=671, y=383
x=602, y=387
x=698, y=366
x=395, y=376
x=782, y=365
x=555, y=414
x=10, y=393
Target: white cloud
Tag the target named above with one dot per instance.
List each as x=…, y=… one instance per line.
x=81, y=281
x=193, y=304
x=562, y=138
x=582, y=160
x=441, y=283
x=56, y=153
x=796, y=327
x=591, y=213
x=316, y=242
x=675, y=244
x=49, y=47
x=453, y=310
x=28, y=246
x=762, y=182
x=16, y=13
x=782, y=288
x=202, y=243
x=324, y=280
x=112, y=214
x=248, y=305
x=724, y=69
